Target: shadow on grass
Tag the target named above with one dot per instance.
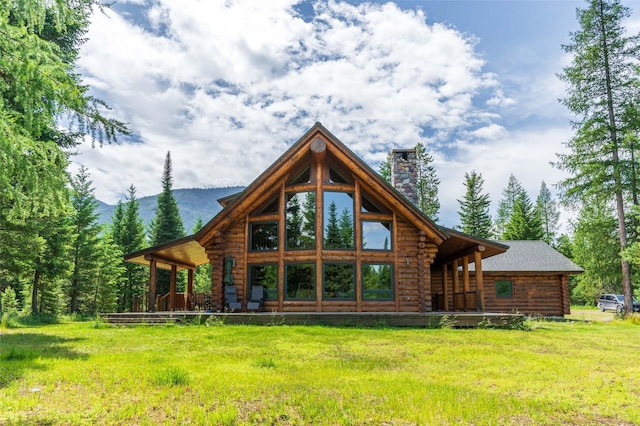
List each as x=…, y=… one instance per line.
x=20, y=352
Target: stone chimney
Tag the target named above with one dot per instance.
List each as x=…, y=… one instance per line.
x=404, y=173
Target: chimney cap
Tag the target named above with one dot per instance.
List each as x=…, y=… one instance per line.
x=403, y=150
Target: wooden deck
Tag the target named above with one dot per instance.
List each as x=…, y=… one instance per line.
x=337, y=319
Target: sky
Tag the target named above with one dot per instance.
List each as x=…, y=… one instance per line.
x=228, y=86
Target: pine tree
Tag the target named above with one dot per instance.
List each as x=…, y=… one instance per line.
x=596, y=248
x=168, y=224
x=108, y=277
x=510, y=194
x=202, y=274
x=309, y=220
x=549, y=214
x=39, y=86
x=85, y=245
x=345, y=223
x=127, y=230
x=474, y=208
x=602, y=91
x=524, y=223
x=427, y=185
x=385, y=169
x=332, y=236
x=294, y=223
x=52, y=266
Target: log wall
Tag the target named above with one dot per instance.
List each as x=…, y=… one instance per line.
x=533, y=294
x=413, y=253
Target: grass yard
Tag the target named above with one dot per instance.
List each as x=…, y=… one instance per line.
x=87, y=373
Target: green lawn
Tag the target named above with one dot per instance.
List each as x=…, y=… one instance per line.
x=558, y=373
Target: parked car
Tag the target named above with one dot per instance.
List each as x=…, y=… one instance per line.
x=615, y=302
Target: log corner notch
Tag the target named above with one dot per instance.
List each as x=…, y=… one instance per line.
x=318, y=148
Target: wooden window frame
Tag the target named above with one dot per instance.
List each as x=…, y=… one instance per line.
x=504, y=296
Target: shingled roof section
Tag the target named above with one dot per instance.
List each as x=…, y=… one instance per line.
x=529, y=256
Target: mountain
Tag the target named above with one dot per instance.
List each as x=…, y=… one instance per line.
x=193, y=203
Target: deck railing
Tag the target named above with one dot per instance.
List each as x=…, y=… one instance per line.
x=184, y=302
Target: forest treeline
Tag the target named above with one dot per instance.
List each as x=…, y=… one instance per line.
x=56, y=258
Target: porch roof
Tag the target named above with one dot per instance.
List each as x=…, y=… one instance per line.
x=530, y=256
x=185, y=253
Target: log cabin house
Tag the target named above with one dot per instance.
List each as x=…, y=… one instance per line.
x=323, y=232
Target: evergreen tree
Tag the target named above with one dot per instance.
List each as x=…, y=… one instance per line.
x=332, y=236
x=549, y=214
x=202, y=274
x=128, y=234
x=474, y=208
x=524, y=223
x=168, y=224
x=108, y=277
x=602, y=89
x=39, y=85
x=345, y=223
x=52, y=266
x=427, y=185
x=596, y=248
x=385, y=169
x=294, y=223
x=510, y=194
x=85, y=251
x=309, y=220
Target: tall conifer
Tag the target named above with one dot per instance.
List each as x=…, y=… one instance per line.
x=602, y=91
x=168, y=224
x=85, y=245
x=474, y=207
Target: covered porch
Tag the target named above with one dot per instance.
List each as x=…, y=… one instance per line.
x=175, y=256
x=449, y=287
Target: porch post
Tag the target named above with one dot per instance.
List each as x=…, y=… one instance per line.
x=456, y=283
x=477, y=260
x=172, y=288
x=151, y=300
x=445, y=292
x=465, y=279
x=189, y=300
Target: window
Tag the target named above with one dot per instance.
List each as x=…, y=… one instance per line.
x=267, y=276
x=302, y=177
x=376, y=235
x=264, y=236
x=336, y=177
x=369, y=206
x=339, y=281
x=301, y=220
x=269, y=208
x=504, y=288
x=338, y=220
x=300, y=282
x=377, y=281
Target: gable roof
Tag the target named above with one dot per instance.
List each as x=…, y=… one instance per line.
x=190, y=251
x=262, y=188
x=529, y=256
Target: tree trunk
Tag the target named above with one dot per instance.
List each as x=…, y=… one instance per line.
x=613, y=135
x=34, y=293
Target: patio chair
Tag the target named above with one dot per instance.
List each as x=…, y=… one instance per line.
x=231, y=298
x=256, y=299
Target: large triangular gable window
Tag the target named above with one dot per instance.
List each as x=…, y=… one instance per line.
x=323, y=225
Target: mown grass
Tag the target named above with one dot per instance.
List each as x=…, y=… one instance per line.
x=557, y=373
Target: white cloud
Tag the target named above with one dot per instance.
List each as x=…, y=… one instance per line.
x=525, y=153
x=226, y=87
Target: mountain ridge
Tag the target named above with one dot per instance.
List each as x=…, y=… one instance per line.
x=193, y=203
